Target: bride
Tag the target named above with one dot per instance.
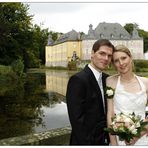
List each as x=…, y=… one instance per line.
x=131, y=93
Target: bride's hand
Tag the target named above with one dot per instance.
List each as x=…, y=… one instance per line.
x=132, y=142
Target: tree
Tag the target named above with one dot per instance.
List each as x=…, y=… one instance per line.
x=13, y=27
x=19, y=38
x=129, y=27
x=55, y=35
x=144, y=34
x=40, y=41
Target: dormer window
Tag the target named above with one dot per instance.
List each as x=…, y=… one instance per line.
x=112, y=36
x=121, y=36
x=101, y=35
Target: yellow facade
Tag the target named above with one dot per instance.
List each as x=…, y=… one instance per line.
x=60, y=54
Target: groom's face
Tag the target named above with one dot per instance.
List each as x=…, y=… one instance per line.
x=101, y=58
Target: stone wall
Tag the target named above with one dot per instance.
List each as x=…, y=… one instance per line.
x=55, y=137
x=135, y=46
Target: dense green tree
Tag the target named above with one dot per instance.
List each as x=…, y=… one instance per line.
x=144, y=34
x=40, y=41
x=19, y=38
x=55, y=35
x=129, y=27
x=14, y=24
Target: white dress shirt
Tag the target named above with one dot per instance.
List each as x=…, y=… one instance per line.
x=98, y=76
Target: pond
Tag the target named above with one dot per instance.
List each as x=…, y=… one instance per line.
x=33, y=106
x=36, y=105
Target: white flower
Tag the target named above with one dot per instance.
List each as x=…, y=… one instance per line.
x=132, y=128
x=124, y=117
x=109, y=92
x=115, y=127
x=134, y=131
x=128, y=120
x=118, y=118
x=137, y=124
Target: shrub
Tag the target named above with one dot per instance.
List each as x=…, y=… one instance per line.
x=141, y=65
x=72, y=65
x=18, y=67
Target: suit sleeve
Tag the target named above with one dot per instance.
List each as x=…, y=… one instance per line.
x=75, y=96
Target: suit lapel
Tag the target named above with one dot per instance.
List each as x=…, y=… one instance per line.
x=92, y=79
x=104, y=76
x=95, y=85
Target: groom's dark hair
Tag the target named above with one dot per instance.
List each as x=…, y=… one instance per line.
x=102, y=42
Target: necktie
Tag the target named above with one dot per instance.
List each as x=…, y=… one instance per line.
x=101, y=88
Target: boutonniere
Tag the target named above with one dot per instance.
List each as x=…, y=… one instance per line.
x=109, y=92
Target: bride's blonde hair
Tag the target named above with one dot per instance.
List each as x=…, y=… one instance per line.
x=124, y=49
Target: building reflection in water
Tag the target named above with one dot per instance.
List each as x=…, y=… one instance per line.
x=55, y=114
x=56, y=81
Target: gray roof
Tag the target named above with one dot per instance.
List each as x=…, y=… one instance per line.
x=70, y=36
x=108, y=31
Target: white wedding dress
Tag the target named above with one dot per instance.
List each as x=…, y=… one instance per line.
x=127, y=102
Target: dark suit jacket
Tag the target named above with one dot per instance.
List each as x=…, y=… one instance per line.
x=85, y=109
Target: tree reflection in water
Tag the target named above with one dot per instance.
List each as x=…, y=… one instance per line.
x=20, y=107
x=55, y=98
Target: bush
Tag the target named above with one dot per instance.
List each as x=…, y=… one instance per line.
x=141, y=65
x=5, y=69
x=18, y=67
x=7, y=74
x=72, y=65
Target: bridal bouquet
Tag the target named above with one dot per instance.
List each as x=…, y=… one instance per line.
x=126, y=126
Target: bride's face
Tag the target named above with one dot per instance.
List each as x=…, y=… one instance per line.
x=122, y=62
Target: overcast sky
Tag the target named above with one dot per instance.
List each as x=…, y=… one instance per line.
x=63, y=17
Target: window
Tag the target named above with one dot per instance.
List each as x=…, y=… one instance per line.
x=101, y=35
x=112, y=36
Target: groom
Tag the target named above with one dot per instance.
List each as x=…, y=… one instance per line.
x=86, y=103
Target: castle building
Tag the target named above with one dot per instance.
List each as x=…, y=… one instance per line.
x=71, y=45
x=66, y=48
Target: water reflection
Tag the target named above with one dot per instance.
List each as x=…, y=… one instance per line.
x=20, y=107
x=56, y=81
x=34, y=105
x=55, y=117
